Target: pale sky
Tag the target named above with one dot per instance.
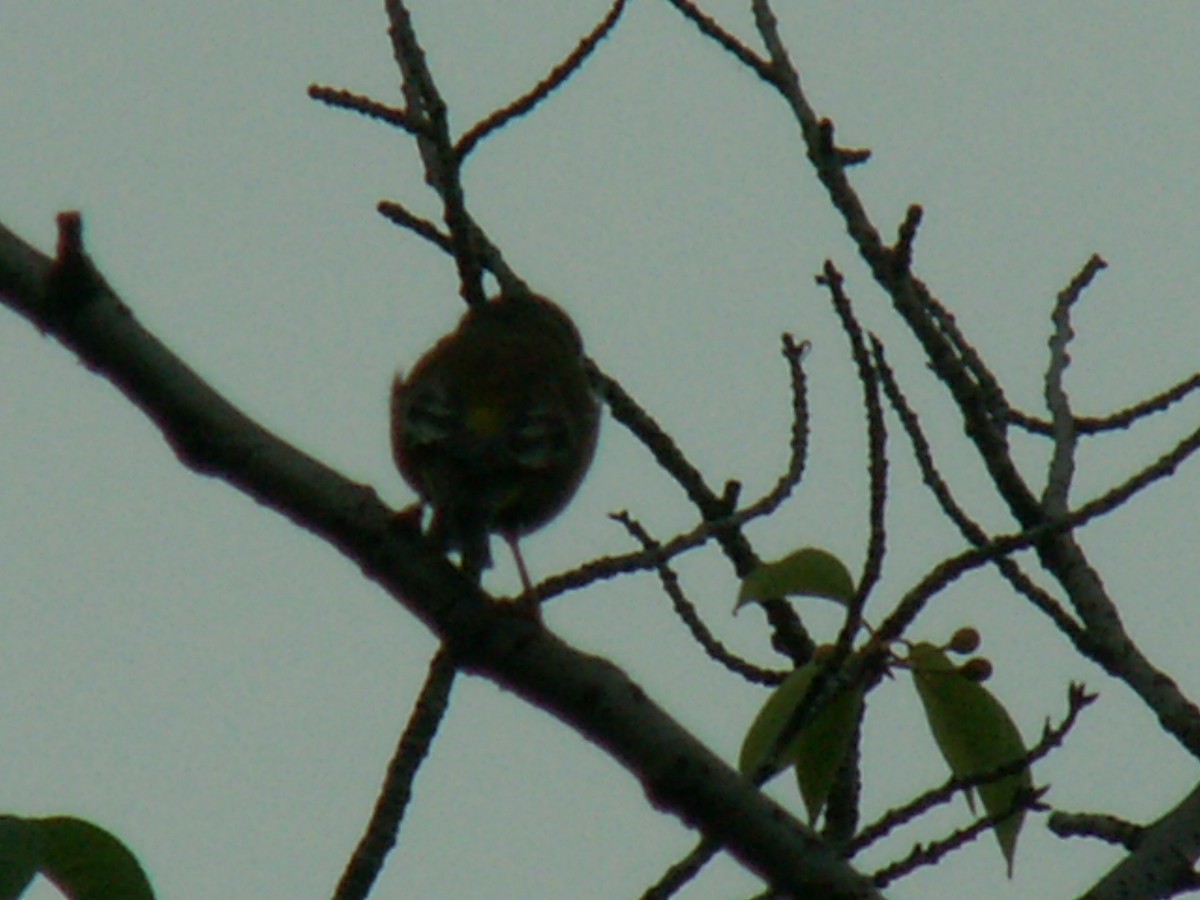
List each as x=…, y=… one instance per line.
x=223, y=691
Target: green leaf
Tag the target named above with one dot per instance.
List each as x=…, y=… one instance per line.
x=86, y=862
x=975, y=734
x=822, y=748
x=817, y=751
x=809, y=572
x=18, y=855
x=775, y=713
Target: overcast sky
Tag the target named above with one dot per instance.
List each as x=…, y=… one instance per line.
x=224, y=691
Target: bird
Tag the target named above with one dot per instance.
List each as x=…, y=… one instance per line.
x=496, y=425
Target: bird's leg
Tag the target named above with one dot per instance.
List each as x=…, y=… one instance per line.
x=527, y=602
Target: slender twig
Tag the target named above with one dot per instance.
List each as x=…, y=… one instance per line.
x=877, y=460
x=789, y=635
x=544, y=88
x=688, y=614
x=1078, y=699
x=1062, y=457
x=969, y=528
x=1101, y=826
x=932, y=853
x=709, y=28
x=842, y=815
x=380, y=837
x=394, y=212
x=949, y=570
x=906, y=236
x=442, y=165
x=790, y=477
x=372, y=109
x=606, y=567
x=988, y=390
x=602, y=568
x=680, y=873
x=1122, y=419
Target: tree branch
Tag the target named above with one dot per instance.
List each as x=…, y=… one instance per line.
x=680, y=775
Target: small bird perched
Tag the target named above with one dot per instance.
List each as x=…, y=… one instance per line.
x=496, y=425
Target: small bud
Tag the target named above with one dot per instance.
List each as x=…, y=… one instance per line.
x=977, y=670
x=965, y=640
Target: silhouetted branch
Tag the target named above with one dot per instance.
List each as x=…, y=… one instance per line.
x=686, y=610
x=544, y=88
x=1078, y=699
x=709, y=28
x=363, y=105
x=380, y=837
x=589, y=694
x=1088, y=425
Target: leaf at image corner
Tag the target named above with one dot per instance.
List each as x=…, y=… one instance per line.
x=18, y=855
x=86, y=862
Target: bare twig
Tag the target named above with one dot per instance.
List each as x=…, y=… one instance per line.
x=969, y=528
x=949, y=570
x=394, y=212
x=1162, y=863
x=933, y=852
x=902, y=252
x=442, y=165
x=877, y=461
x=1078, y=699
x=690, y=617
x=544, y=88
x=363, y=105
x=709, y=28
x=1101, y=826
x=367, y=860
x=1122, y=419
x=789, y=635
x=1062, y=457
x=683, y=871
